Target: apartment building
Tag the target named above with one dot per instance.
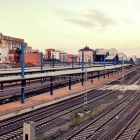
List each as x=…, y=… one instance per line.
x=59, y=55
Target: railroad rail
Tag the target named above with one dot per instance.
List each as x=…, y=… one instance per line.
x=12, y=128
x=89, y=131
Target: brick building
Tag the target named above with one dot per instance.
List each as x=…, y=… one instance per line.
x=13, y=56
x=69, y=58
x=6, y=44
x=34, y=58
x=48, y=53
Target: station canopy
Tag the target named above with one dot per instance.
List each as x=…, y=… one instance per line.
x=135, y=59
x=127, y=58
x=110, y=57
x=101, y=52
x=112, y=54
x=113, y=51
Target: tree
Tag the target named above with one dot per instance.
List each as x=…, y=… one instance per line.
x=18, y=52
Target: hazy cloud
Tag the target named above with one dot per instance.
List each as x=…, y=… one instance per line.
x=99, y=18
x=87, y=24
x=93, y=19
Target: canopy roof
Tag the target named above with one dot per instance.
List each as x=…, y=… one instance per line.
x=113, y=51
x=110, y=57
x=134, y=58
x=102, y=52
x=121, y=55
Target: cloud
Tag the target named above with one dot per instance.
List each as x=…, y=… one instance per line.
x=99, y=18
x=93, y=19
x=87, y=24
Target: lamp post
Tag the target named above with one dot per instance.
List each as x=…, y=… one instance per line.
x=85, y=94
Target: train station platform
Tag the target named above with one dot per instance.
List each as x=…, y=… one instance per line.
x=17, y=71
x=32, y=103
x=58, y=73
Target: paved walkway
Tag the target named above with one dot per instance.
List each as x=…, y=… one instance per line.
x=35, y=100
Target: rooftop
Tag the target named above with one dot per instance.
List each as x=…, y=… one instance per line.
x=86, y=49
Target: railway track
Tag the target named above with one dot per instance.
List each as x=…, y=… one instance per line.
x=44, y=116
x=41, y=122
x=12, y=128
x=92, y=128
x=136, y=135
x=130, y=130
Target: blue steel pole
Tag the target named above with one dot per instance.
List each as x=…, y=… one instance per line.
x=70, y=82
x=115, y=61
x=101, y=60
x=22, y=73
x=82, y=79
x=95, y=58
x=53, y=61
x=104, y=61
x=22, y=60
x=90, y=61
x=41, y=60
x=51, y=90
x=79, y=61
x=82, y=61
x=72, y=60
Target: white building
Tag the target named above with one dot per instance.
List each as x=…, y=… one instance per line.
x=59, y=55
x=28, y=49
x=4, y=53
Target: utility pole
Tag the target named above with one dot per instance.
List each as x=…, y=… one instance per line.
x=85, y=94
x=122, y=74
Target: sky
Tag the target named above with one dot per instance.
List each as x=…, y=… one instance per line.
x=70, y=25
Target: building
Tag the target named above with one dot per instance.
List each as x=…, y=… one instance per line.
x=35, y=51
x=113, y=56
x=88, y=54
x=100, y=54
x=8, y=43
x=59, y=55
x=69, y=58
x=33, y=58
x=48, y=53
x=28, y=49
x=122, y=57
x=12, y=55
